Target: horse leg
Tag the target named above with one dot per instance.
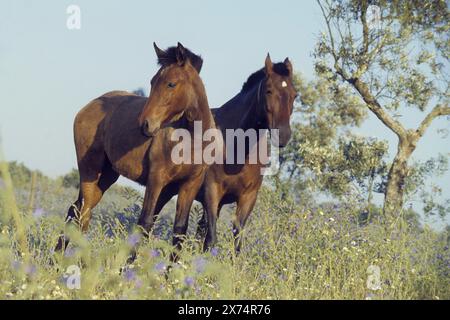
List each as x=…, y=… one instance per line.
x=91, y=192
x=186, y=197
x=245, y=206
x=152, y=194
x=211, y=210
x=154, y=200
x=202, y=226
x=95, y=192
x=72, y=214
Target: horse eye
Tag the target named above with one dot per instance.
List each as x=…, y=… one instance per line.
x=171, y=85
x=269, y=92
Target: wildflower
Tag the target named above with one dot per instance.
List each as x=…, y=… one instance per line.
x=69, y=252
x=38, y=213
x=154, y=253
x=189, y=281
x=30, y=269
x=16, y=265
x=215, y=252
x=200, y=264
x=138, y=283
x=129, y=275
x=160, y=267
x=134, y=239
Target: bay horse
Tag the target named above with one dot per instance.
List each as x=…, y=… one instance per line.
x=265, y=102
x=125, y=134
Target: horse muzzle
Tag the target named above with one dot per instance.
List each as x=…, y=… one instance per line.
x=149, y=129
x=280, y=137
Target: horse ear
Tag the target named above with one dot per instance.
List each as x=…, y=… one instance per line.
x=180, y=54
x=197, y=63
x=159, y=53
x=268, y=65
x=288, y=65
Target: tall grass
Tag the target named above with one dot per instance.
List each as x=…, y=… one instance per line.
x=289, y=252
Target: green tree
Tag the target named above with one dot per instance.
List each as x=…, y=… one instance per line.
x=71, y=179
x=394, y=55
x=324, y=155
x=21, y=175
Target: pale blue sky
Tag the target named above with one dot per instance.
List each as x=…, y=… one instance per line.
x=47, y=72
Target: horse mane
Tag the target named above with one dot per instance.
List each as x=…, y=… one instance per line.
x=279, y=68
x=171, y=58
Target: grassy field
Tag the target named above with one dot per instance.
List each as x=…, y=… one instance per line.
x=290, y=252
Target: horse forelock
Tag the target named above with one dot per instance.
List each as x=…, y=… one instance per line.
x=170, y=58
x=279, y=68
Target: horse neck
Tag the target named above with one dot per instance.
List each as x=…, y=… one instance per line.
x=245, y=110
x=205, y=115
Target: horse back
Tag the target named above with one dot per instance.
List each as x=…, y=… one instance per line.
x=107, y=128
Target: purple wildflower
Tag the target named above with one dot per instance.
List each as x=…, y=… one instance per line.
x=63, y=279
x=138, y=283
x=189, y=281
x=215, y=252
x=154, y=253
x=30, y=269
x=129, y=275
x=69, y=252
x=134, y=239
x=200, y=264
x=16, y=264
x=38, y=213
x=160, y=267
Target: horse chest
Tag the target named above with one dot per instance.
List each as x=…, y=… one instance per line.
x=248, y=179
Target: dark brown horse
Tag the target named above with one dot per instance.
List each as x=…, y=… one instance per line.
x=265, y=102
x=124, y=134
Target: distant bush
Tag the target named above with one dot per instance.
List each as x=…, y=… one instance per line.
x=21, y=175
x=71, y=179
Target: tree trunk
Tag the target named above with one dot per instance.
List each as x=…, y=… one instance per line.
x=393, y=196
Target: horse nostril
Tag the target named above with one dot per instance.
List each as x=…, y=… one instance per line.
x=146, y=128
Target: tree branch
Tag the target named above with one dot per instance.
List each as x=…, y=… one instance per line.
x=327, y=21
x=338, y=68
x=354, y=80
x=377, y=109
x=365, y=27
x=438, y=110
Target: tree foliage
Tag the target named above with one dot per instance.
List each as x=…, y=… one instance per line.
x=324, y=155
x=395, y=56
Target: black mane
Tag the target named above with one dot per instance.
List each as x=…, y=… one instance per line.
x=279, y=68
x=171, y=57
